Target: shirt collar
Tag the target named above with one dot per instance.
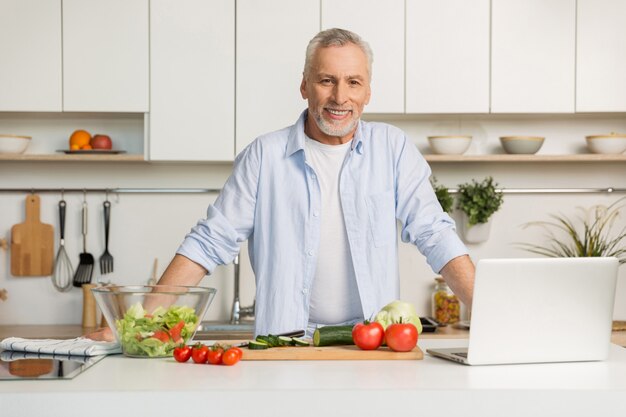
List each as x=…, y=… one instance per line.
x=297, y=137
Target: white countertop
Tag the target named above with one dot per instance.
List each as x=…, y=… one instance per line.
x=153, y=387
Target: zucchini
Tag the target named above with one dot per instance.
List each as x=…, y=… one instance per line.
x=273, y=340
x=257, y=345
x=284, y=341
x=261, y=338
x=333, y=335
x=296, y=341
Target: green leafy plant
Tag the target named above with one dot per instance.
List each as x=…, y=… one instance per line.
x=587, y=236
x=443, y=195
x=479, y=200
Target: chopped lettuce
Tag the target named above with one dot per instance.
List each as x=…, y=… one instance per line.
x=156, y=334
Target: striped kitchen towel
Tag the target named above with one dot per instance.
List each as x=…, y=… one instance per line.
x=79, y=346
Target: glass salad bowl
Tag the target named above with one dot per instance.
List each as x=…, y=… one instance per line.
x=149, y=321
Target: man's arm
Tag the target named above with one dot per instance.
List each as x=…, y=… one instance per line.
x=459, y=274
x=182, y=271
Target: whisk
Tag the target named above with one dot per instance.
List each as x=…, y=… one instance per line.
x=63, y=270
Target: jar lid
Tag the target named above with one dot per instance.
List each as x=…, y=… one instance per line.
x=440, y=279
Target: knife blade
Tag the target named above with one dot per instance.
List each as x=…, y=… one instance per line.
x=294, y=333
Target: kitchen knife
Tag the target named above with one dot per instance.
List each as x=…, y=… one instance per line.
x=295, y=333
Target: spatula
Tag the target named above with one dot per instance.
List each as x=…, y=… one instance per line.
x=84, y=271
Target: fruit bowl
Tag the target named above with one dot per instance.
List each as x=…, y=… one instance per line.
x=13, y=145
x=613, y=143
x=449, y=145
x=149, y=321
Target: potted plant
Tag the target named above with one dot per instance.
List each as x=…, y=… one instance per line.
x=588, y=235
x=443, y=195
x=478, y=201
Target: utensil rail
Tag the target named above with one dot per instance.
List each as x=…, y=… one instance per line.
x=608, y=190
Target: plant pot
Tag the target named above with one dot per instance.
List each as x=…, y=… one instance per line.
x=477, y=233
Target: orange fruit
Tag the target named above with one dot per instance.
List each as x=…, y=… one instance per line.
x=86, y=147
x=80, y=138
x=74, y=147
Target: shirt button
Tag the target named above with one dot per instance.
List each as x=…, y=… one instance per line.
x=316, y=213
x=305, y=291
x=313, y=176
x=310, y=253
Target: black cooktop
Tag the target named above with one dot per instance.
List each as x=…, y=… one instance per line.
x=28, y=366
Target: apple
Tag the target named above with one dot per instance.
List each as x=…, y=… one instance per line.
x=100, y=141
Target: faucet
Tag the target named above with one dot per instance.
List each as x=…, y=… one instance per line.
x=238, y=312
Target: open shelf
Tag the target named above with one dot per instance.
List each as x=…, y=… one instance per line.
x=74, y=158
x=527, y=158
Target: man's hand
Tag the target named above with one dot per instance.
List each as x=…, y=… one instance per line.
x=459, y=274
x=103, y=334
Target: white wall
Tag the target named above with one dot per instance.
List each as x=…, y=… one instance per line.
x=149, y=226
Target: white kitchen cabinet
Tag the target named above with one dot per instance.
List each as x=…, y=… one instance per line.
x=192, y=86
x=30, y=51
x=381, y=24
x=105, y=55
x=447, y=56
x=272, y=37
x=533, y=56
x=601, y=56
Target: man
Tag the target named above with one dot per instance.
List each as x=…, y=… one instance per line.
x=318, y=202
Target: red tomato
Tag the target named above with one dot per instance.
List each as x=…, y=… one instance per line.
x=175, y=331
x=162, y=335
x=239, y=351
x=401, y=337
x=182, y=353
x=230, y=357
x=199, y=353
x=368, y=336
x=215, y=355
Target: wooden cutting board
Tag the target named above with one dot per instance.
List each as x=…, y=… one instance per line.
x=32, y=243
x=328, y=353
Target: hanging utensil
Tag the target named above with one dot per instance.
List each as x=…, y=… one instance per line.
x=63, y=269
x=106, y=259
x=84, y=271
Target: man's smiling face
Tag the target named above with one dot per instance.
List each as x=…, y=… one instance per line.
x=337, y=88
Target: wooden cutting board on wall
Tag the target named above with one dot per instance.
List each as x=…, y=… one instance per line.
x=32, y=243
x=328, y=353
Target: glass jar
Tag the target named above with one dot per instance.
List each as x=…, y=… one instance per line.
x=446, y=307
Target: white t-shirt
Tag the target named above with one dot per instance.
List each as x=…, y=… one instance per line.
x=334, y=293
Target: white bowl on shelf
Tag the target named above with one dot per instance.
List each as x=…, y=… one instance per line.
x=13, y=144
x=449, y=145
x=521, y=145
x=613, y=143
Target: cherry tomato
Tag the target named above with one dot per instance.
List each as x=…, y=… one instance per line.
x=239, y=351
x=182, y=353
x=215, y=355
x=199, y=353
x=401, y=337
x=368, y=336
x=230, y=357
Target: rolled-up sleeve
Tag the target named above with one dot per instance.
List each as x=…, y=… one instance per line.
x=424, y=223
x=216, y=239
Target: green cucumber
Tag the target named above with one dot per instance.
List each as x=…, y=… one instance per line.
x=333, y=335
x=273, y=340
x=296, y=341
x=284, y=341
x=261, y=338
x=257, y=345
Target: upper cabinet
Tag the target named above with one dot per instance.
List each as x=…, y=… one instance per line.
x=381, y=24
x=447, y=56
x=105, y=55
x=533, y=56
x=192, y=62
x=30, y=50
x=601, y=56
x=272, y=37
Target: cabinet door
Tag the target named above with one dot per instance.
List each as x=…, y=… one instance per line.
x=30, y=51
x=533, y=56
x=105, y=55
x=447, y=56
x=381, y=24
x=272, y=37
x=192, y=91
x=601, y=56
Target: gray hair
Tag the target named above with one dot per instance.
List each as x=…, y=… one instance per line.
x=337, y=37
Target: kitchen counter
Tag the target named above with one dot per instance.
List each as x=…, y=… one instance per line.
x=162, y=387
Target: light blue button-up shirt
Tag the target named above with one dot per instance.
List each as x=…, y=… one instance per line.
x=273, y=199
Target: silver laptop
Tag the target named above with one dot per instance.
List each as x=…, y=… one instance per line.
x=539, y=310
